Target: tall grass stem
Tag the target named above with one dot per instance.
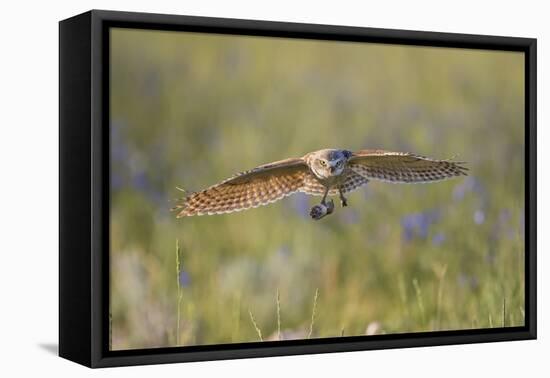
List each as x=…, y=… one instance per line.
x=180, y=294
x=258, y=330
x=278, y=315
x=313, y=313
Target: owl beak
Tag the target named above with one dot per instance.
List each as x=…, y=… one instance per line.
x=332, y=169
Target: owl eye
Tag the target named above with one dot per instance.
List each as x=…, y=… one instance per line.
x=323, y=163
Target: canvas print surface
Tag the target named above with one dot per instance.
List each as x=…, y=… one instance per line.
x=266, y=189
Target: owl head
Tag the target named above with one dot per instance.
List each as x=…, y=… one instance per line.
x=328, y=163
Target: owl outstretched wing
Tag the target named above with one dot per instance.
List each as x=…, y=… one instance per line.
x=259, y=186
x=403, y=167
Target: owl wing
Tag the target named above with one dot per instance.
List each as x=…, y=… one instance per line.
x=259, y=186
x=351, y=182
x=403, y=167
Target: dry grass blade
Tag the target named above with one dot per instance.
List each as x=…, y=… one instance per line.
x=258, y=330
x=313, y=313
x=278, y=316
x=441, y=277
x=419, y=299
x=504, y=312
x=178, y=272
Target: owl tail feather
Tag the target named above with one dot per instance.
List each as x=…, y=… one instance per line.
x=182, y=205
x=458, y=162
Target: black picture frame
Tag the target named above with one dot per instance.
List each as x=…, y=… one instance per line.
x=84, y=188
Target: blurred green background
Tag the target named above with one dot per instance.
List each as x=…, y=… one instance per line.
x=190, y=110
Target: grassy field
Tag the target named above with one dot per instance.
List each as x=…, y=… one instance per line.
x=189, y=110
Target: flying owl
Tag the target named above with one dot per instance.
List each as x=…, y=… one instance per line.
x=327, y=172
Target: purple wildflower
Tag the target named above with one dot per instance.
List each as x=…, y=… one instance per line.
x=438, y=239
x=184, y=279
x=479, y=217
x=417, y=225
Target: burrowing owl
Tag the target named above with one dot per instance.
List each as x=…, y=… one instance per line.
x=320, y=173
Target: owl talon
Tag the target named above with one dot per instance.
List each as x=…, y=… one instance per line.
x=343, y=199
x=320, y=211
